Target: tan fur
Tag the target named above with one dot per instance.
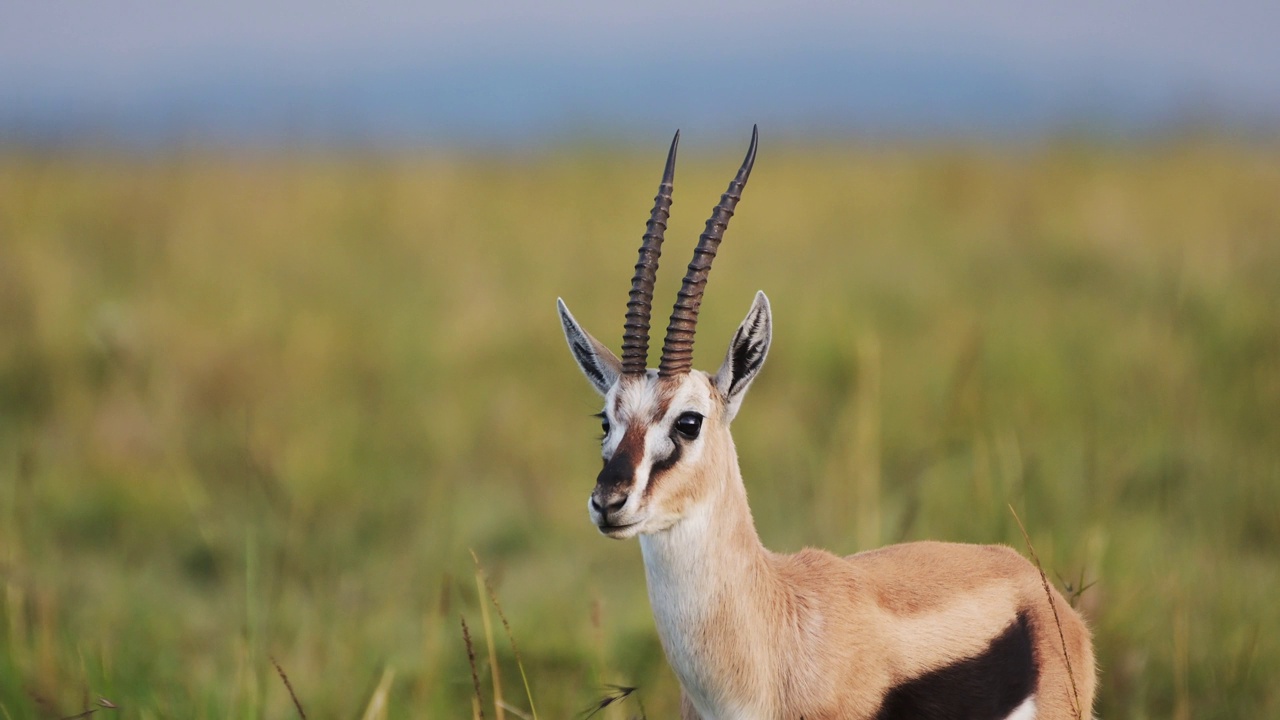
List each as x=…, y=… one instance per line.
x=756, y=634
x=814, y=635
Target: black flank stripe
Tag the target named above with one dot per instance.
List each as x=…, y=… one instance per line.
x=987, y=686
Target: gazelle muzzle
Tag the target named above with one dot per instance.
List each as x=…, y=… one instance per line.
x=613, y=487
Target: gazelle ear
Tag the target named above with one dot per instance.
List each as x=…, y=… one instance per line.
x=595, y=360
x=746, y=355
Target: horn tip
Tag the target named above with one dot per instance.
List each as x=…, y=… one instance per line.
x=751, y=151
x=669, y=173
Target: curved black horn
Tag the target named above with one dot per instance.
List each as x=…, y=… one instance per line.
x=635, y=331
x=677, y=348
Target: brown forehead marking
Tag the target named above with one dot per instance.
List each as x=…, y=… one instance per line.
x=666, y=393
x=632, y=444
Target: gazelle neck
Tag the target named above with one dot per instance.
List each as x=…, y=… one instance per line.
x=710, y=581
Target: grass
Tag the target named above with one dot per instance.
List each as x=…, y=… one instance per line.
x=261, y=407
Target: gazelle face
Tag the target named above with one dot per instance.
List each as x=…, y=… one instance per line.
x=666, y=440
x=666, y=432
x=657, y=433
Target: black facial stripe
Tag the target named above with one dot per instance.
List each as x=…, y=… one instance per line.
x=661, y=466
x=987, y=686
x=667, y=462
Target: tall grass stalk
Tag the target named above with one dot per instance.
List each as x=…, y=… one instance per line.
x=495, y=671
x=493, y=597
x=477, y=700
x=1044, y=581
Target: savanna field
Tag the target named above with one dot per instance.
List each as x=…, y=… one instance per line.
x=259, y=407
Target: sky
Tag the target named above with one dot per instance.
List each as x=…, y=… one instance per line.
x=498, y=73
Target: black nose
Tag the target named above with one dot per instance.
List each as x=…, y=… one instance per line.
x=614, y=504
x=613, y=484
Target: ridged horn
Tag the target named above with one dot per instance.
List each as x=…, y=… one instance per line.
x=677, y=348
x=635, y=331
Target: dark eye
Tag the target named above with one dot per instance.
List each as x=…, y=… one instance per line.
x=604, y=425
x=689, y=425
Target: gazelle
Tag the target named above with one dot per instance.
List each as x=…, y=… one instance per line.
x=925, y=630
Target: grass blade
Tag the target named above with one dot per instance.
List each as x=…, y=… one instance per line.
x=506, y=626
x=377, y=707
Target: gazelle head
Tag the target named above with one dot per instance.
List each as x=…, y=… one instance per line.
x=666, y=443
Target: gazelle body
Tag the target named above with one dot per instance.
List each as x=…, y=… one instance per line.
x=922, y=630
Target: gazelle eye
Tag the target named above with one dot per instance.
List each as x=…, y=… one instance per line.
x=689, y=425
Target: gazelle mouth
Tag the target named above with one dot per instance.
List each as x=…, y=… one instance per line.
x=615, y=531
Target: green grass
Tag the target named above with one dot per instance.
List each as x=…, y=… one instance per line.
x=256, y=407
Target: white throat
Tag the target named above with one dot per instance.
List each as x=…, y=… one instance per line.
x=706, y=576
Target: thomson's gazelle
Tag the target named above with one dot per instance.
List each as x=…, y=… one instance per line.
x=920, y=630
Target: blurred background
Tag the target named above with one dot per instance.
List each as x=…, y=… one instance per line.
x=278, y=347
